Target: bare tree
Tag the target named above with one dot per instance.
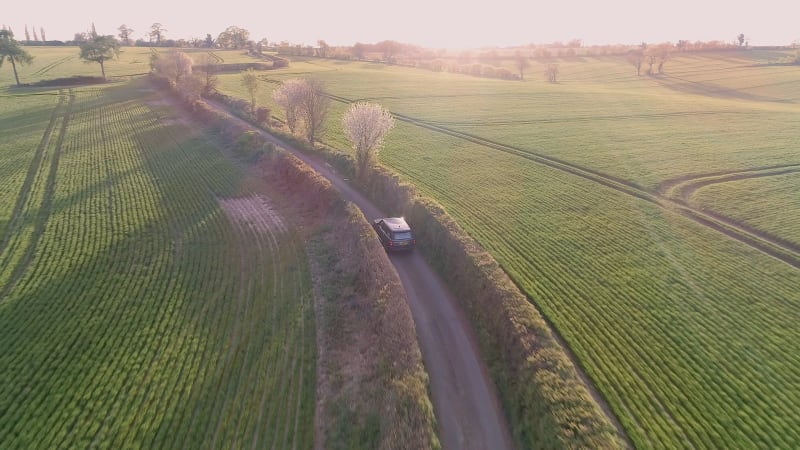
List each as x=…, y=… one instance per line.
x=521, y=62
x=261, y=45
x=99, y=49
x=11, y=50
x=157, y=32
x=44, y=38
x=288, y=97
x=660, y=54
x=314, y=107
x=322, y=50
x=250, y=83
x=125, y=34
x=207, y=68
x=191, y=87
x=27, y=34
x=35, y=36
x=366, y=125
x=183, y=65
x=551, y=73
x=636, y=58
x=740, y=38
x=664, y=54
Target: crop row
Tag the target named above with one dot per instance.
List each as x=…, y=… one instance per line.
x=148, y=316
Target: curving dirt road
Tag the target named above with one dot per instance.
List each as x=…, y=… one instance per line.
x=465, y=399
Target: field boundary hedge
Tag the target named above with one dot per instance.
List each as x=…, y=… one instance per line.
x=372, y=385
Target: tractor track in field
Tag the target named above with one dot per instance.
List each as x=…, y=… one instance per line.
x=33, y=169
x=683, y=192
x=575, y=119
x=777, y=248
x=53, y=65
x=672, y=188
x=43, y=212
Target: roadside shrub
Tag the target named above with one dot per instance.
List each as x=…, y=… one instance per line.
x=278, y=62
x=71, y=81
x=343, y=162
x=249, y=146
x=263, y=116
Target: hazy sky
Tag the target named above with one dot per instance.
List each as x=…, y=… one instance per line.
x=432, y=23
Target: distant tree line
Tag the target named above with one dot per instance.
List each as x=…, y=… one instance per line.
x=506, y=63
x=650, y=55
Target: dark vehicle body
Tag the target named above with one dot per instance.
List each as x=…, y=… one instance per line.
x=394, y=233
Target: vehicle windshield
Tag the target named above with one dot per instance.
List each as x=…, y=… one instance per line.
x=402, y=235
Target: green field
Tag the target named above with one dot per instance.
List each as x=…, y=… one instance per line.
x=123, y=246
x=687, y=333
x=148, y=298
x=646, y=130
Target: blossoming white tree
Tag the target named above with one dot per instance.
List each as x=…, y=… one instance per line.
x=366, y=125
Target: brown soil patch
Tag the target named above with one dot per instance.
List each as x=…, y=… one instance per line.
x=256, y=212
